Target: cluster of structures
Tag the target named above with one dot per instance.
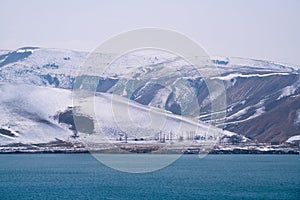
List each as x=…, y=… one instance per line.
x=175, y=143
x=163, y=137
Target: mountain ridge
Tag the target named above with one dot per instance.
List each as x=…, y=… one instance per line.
x=254, y=88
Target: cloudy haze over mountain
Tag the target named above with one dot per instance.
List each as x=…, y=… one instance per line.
x=267, y=30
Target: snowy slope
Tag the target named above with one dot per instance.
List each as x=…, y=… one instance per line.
x=28, y=112
x=52, y=67
x=28, y=115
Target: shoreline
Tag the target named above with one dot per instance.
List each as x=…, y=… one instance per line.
x=63, y=147
x=213, y=152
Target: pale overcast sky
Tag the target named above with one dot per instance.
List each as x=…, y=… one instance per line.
x=263, y=29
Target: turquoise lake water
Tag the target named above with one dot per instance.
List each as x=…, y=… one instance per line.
x=80, y=176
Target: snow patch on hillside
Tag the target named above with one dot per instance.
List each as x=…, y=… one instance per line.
x=160, y=98
x=289, y=90
x=297, y=117
x=294, y=138
x=239, y=75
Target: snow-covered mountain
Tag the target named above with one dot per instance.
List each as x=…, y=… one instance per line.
x=43, y=67
x=28, y=112
x=37, y=114
x=263, y=100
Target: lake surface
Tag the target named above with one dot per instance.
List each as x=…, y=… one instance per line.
x=80, y=176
